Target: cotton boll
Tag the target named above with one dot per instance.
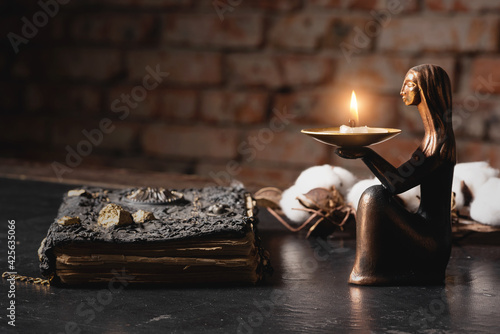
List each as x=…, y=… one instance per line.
x=485, y=207
x=347, y=180
x=289, y=201
x=317, y=177
x=474, y=174
x=357, y=190
x=325, y=176
x=411, y=199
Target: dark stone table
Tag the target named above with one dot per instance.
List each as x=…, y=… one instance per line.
x=307, y=293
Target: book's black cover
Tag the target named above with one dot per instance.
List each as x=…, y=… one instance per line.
x=202, y=213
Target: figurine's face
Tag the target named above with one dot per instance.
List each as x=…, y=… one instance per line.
x=410, y=92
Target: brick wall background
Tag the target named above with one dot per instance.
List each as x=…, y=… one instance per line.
x=243, y=78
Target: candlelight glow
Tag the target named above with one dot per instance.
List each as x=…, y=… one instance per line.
x=354, y=108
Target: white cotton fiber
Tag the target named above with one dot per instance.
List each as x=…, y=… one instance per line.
x=324, y=176
x=411, y=199
x=347, y=180
x=474, y=174
x=317, y=176
x=485, y=208
x=289, y=201
x=357, y=190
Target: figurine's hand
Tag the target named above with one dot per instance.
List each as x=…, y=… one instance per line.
x=352, y=152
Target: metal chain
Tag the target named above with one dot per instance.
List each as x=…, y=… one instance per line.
x=27, y=279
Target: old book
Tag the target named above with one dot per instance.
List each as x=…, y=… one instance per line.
x=188, y=236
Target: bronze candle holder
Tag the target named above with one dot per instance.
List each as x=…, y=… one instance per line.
x=395, y=246
x=333, y=136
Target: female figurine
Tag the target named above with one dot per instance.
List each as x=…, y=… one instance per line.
x=395, y=246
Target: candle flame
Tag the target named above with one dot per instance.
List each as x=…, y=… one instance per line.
x=354, y=109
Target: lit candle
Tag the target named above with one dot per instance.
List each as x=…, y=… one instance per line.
x=354, y=120
x=354, y=111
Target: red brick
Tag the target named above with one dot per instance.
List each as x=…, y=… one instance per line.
x=474, y=150
x=451, y=34
x=274, y=5
x=494, y=131
x=485, y=75
x=396, y=7
x=178, y=104
x=299, y=31
x=186, y=141
x=378, y=110
x=253, y=70
x=77, y=63
x=409, y=119
x=470, y=116
x=114, y=28
x=494, y=124
x=305, y=70
x=375, y=73
x=275, y=71
x=120, y=137
x=185, y=67
x=327, y=107
x=462, y=5
x=226, y=8
x=347, y=4
x=399, y=149
x=332, y=108
x=342, y=34
x=30, y=131
x=164, y=103
x=63, y=100
x=326, y=4
x=254, y=175
x=235, y=31
x=364, y=4
x=148, y=108
x=234, y=107
x=124, y=137
x=284, y=147
x=160, y=4
x=69, y=131
x=446, y=62
x=276, y=176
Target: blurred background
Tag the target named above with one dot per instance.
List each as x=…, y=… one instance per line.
x=221, y=88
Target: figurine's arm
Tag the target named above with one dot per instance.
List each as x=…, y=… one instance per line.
x=396, y=180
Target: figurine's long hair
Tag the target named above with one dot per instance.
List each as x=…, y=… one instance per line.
x=436, y=94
